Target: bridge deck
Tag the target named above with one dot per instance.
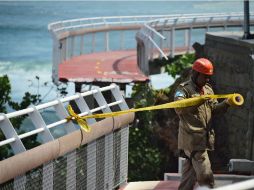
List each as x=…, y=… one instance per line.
x=116, y=66
x=111, y=66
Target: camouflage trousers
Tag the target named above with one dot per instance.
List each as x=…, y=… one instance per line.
x=198, y=169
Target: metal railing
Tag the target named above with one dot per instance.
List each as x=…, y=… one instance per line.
x=88, y=35
x=43, y=129
x=177, y=34
x=95, y=160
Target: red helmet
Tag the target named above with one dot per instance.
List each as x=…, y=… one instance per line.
x=203, y=65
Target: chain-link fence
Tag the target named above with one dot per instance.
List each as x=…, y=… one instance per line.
x=101, y=164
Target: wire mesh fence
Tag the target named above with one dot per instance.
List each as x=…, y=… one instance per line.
x=100, y=164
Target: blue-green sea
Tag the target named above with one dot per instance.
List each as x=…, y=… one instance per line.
x=26, y=45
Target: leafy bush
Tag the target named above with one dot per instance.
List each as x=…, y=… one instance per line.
x=177, y=66
x=144, y=156
x=6, y=101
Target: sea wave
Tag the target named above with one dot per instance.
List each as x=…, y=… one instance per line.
x=36, y=80
x=22, y=27
x=26, y=66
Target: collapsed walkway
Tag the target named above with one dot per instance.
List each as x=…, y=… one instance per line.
x=116, y=67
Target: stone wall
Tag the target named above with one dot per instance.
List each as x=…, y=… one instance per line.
x=234, y=72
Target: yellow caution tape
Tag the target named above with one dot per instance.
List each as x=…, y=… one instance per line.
x=233, y=99
x=80, y=120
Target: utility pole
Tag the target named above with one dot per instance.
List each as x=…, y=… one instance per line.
x=246, y=25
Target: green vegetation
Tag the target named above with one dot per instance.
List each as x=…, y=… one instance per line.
x=147, y=152
x=179, y=64
x=144, y=156
x=7, y=102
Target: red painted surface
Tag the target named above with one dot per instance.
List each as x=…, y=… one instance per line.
x=167, y=185
x=116, y=66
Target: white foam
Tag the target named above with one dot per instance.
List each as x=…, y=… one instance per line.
x=161, y=81
x=23, y=80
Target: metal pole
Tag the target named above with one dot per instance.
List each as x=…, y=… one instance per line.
x=246, y=25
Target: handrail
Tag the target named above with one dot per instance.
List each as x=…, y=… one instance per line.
x=58, y=24
x=88, y=35
x=54, y=25
x=69, y=24
x=33, y=158
x=149, y=43
x=55, y=102
x=42, y=128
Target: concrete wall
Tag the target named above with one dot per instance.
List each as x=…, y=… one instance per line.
x=234, y=72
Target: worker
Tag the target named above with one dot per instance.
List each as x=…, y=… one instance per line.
x=196, y=136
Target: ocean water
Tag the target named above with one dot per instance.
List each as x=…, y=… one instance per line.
x=26, y=46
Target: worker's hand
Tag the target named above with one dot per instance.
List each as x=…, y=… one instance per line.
x=229, y=102
x=206, y=98
x=236, y=100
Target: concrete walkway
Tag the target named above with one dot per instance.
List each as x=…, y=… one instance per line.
x=152, y=185
x=115, y=66
x=172, y=181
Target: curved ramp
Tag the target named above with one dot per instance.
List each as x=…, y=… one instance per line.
x=115, y=66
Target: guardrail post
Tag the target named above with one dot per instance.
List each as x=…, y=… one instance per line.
x=186, y=38
x=93, y=42
x=189, y=40
x=151, y=47
x=124, y=134
x=101, y=100
x=208, y=23
x=62, y=113
x=83, y=107
x=109, y=166
x=91, y=147
x=56, y=58
x=9, y=132
x=119, y=97
x=63, y=50
x=122, y=40
x=67, y=48
x=172, y=42
x=145, y=67
x=38, y=122
x=161, y=43
x=106, y=41
x=81, y=45
x=190, y=34
x=72, y=46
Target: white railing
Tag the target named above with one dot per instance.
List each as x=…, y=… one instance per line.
x=62, y=26
x=88, y=35
x=41, y=128
x=180, y=33
x=73, y=148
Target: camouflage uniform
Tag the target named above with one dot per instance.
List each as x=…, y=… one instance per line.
x=195, y=135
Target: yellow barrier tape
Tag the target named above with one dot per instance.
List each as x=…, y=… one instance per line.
x=233, y=99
